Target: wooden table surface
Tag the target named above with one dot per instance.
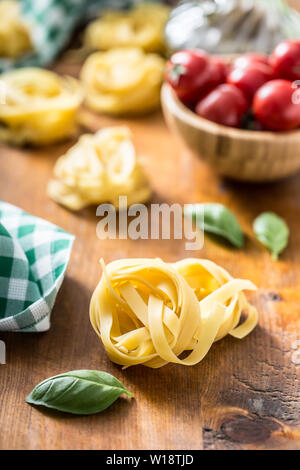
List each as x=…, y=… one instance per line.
x=243, y=395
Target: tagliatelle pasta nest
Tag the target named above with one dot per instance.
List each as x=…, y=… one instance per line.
x=123, y=81
x=142, y=26
x=39, y=107
x=100, y=168
x=149, y=312
x=14, y=34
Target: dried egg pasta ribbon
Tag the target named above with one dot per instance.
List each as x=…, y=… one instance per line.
x=142, y=26
x=39, y=107
x=99, y=168
x=123, y=81
x=230, y=292
x=149, y=312
x=14, y=34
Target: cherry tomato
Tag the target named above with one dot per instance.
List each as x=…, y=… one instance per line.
x=274, y=106
x=249, y=79
x=285, y=60
x=225, y=105
x=251, y=58
x=218, y=70
x=188, y=72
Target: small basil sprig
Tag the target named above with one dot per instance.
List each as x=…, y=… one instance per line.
x=81, y=392
x=272, y=231
x=219, y=220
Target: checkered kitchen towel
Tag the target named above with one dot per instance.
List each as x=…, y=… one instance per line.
x=34, y=255
x=52, y=22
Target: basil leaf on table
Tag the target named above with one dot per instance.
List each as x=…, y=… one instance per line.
x=219, y=220
x=82, y=392
x=272, y=231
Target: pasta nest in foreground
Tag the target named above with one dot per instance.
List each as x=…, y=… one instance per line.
x=39, y=106
x=142, y=26
x=123, y=81
x=149, y=312
x=14, y=34
x=100, y=168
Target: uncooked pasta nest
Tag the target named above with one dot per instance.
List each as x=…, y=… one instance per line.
x=14, y=34
x=149, y=312
x=99, y=168
x=40, y=107
x=142, y=26
x=123, y=81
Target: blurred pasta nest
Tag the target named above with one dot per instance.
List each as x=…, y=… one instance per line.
x=142, y=26
x=14, y=34
x=39, y=106
x=123, y=81
x=99, y=168
x=146, y=311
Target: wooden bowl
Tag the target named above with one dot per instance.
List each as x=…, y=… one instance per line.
x=254, y=156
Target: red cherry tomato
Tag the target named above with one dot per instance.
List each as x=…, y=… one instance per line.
x=275, y=107
x=225, y=105
x=249, y=79
x=251, y=58
x=285, y=60
x=188, y=73
x=219, y=70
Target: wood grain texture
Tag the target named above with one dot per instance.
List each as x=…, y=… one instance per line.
x=243, y=395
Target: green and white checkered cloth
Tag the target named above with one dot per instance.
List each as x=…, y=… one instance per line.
x=51, y=23
x=34, y=255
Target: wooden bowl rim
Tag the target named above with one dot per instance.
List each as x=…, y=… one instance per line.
x=176, y=107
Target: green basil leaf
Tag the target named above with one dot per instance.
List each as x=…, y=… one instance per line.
x=219, y=220
x=82, y=392
x=272, y=231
